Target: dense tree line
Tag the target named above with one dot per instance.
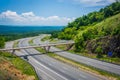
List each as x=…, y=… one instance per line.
x=88, y=20
x=2, y=42
x=13, y=36
x=95, y=17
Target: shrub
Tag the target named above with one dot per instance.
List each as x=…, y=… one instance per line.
x=99, y=50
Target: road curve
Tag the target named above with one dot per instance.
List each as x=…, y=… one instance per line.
x=112, y=68
x=43, y=72
x=51, y=69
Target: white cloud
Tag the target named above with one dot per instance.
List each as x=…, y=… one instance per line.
x=90, y=3
x=111, y=1
x=28, y=14
x=29, y=18
x=95, y=2
x=11, y=16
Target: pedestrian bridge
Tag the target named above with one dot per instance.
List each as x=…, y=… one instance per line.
x=45, y=46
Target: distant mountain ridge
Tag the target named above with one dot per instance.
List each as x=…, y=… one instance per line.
x=23, y=29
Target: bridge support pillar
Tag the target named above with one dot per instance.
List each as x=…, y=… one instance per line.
x=13, y=51
x=47, y=48
x=69, y=46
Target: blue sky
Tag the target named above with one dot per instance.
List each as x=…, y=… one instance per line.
x=46, y=12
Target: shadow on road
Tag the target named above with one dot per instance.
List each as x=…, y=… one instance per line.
x=25, y=56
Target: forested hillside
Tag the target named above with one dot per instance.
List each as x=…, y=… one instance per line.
x=101, y=38
x=97, y=32
x=88, y=20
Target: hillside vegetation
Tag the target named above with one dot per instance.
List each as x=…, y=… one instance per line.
x=102, y=38
x=97, y=32
x=2, y=41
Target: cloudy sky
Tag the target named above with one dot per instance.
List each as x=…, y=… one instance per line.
x=46, y=12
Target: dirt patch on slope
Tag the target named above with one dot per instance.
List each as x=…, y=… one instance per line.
x=9, y=72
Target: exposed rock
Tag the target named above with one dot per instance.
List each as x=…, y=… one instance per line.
x=107, y=44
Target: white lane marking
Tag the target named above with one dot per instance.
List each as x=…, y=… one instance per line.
x=81, y=75
x=45, y=73
x=49, y=69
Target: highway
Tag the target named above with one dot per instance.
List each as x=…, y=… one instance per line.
x=88, y=61
x=48, y=68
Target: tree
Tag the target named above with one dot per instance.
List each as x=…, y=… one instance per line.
x=2, y=42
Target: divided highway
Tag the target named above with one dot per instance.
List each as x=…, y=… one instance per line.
x=88, y=61
x=48, y=68
x=53, y=69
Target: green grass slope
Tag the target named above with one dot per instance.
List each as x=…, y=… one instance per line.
x=14, y=68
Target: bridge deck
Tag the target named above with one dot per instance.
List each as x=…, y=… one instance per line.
x=37, y=46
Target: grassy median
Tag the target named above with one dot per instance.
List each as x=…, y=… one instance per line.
x=15, y=44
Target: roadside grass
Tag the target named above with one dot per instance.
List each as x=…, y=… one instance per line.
x=46, y=38
x=49, y=38
x=105, y=58
x=53, y=40
x=41, y=50
x=15, y=44
x=24, y=66
x=61, y=46
x=19, y=63
x=87, y=68
x=31, y=42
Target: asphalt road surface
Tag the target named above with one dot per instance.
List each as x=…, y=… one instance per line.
x=112, y=68
x=48, y=68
